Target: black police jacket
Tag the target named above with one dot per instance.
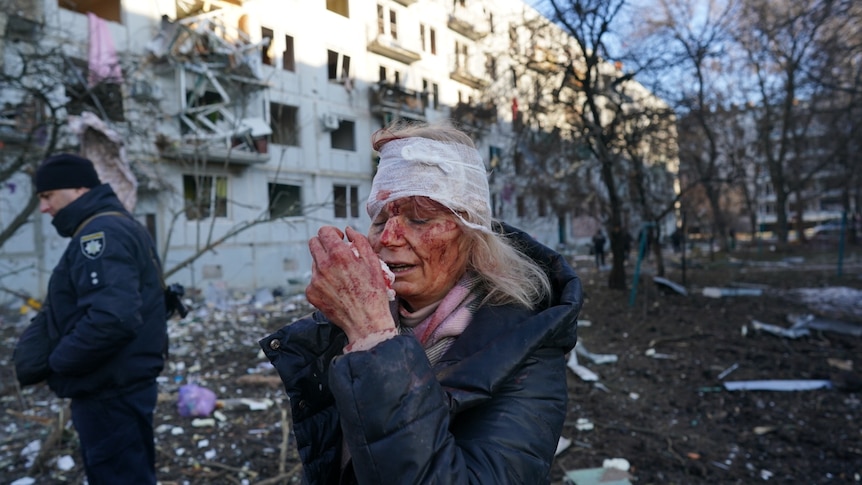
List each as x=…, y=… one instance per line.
x=106, y=301
x=490, y=411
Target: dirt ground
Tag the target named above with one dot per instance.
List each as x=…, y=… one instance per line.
x=661, y=405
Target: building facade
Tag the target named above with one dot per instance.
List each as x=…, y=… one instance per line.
x=238, y=128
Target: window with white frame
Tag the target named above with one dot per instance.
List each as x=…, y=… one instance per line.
x=461, y=51
x=428, y=38
x=338, y=66
x=345, y=201
x=387, y=22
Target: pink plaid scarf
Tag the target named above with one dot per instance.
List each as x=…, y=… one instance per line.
x=438, y=331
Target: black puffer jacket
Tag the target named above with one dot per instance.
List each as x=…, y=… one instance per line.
x=106, y=302
x=490, y=411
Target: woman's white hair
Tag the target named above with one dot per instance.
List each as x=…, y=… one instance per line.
x=507, y=274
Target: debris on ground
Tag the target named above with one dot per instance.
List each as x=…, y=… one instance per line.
x=672, y=419
x=713, y=292
x=670, y=285
x=778, y=385
x=612, y=472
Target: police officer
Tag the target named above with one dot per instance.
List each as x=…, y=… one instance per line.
x=106, y=302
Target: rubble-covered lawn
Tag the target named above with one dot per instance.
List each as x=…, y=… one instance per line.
x=659, y=405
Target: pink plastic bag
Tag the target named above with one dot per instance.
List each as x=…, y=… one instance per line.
x=195, y=401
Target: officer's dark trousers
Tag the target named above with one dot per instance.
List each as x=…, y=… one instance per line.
x=116, y=437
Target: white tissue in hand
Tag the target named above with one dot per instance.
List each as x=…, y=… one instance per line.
x=387, y=274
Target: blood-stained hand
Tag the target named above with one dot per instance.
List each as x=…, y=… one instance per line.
x=350, y=290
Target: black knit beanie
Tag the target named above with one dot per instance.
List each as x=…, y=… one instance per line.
x=65, y=171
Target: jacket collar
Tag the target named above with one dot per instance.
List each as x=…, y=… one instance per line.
x=500, y=337
x=99, y=199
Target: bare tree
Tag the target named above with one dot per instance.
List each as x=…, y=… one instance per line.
x=613, y=112
x=41, y=86
x=780, y=41
x=840, y=74
x=697, y=36
x=32, y=122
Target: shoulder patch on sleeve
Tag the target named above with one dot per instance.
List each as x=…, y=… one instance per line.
x=93, y=245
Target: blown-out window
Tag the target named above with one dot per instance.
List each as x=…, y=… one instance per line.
x=284, y=124
x=205, y=196
x=338, y=66
x=285, y=200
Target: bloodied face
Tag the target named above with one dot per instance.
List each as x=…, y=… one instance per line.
x=423, y=245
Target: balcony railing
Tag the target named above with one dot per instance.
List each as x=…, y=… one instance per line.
x=462, y=75
x=388, y=98
x=476, y=115
x=386, y=46
x=231, y=150
x=469, y=24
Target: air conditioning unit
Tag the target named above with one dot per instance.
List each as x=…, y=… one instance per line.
x=330, y=122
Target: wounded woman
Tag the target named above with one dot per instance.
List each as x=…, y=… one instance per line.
x=461, y=378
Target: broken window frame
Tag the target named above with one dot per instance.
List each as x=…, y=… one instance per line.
x=288, y=56
x=205, y=196
x=285, y=200
x=284, y=121
x=105, y=99
x=344, y=137
x=338, y=66
x=267, y=56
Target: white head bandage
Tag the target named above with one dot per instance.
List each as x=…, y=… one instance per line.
x=449, y=173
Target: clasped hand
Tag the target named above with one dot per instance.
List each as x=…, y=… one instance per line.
x=349, y=289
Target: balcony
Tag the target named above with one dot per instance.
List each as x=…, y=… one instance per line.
x=476, y=115
x=388, y=98
x=468, y=24
x=243, y=144
x=234, y=152
x=386, y=46
x=463, y=76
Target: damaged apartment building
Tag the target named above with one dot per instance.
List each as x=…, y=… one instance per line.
x=234, y=129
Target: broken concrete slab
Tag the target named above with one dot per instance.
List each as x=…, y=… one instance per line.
x=595, y=358
x=613, y=472
x=813, y=322
x=713, y=292
x=780, y=331
x=778, y=385
x=579, y=370
x=668, y=284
